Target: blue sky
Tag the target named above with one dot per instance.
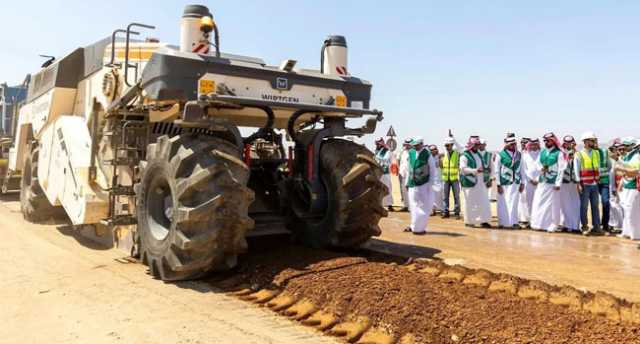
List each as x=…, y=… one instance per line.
x=477, y=67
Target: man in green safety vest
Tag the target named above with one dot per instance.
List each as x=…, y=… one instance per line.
x=450, y=176
x=477, y=209
x=422, y=181
x=546, y=211
x=510, y=180
x=604, y=186
x=487, y=163
x=569, y=196
x=630, y=194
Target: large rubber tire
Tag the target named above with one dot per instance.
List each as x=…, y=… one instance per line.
x=192, y=206
x=34, y=205
x=351, y=178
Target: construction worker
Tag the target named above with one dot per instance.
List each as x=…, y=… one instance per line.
x=403, y=169
x=604, y=186
x=383, y=157
x=569, y=196
x=587, y=167
x=630, y=194
x=450, y=176
x=477, y=210
x=509, y=179
x=421, y=179
x=529, y=166
x=437, y=202
x=545, y=212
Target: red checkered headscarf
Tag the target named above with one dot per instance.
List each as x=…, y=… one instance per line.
x=554, y=139
x=531, y=142
x=473, y=141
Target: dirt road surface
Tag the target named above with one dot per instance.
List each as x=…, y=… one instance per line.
x=606, y=264
x=55, y=289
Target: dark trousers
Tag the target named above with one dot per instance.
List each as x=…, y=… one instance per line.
x=590, y=195
x=606, y=205
x=448, y=187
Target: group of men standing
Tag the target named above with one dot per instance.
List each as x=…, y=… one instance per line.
x=550, y=188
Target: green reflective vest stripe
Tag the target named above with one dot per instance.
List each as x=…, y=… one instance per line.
x=631, y=160
x=469, y=180
x=418, y=168
x=510, y=168
x=380, y=157
x=486, y=166
x=569, y=175
x=604, y=166
x=549, y=159
x=450, y=166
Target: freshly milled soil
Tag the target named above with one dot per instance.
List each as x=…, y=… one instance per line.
x=432, y=309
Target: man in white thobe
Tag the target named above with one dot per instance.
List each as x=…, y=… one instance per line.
x=529, y=166
x=509, y=177
x=569, y=196
x=545, y=212
x=487, y=159
x=630, y=194
x=477, y=209
x=383, y=158
x=422, y=181
x=439, y=195
x=615, y=180
x=403, y=170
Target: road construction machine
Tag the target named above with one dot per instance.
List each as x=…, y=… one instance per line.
x=11, y=97
x=180, y=152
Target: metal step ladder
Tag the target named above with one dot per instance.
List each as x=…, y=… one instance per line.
x=126, y=155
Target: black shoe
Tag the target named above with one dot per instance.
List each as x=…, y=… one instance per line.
x=405, y=209
x=597, y=231
x=468, y=225
x=516, y=226
x=445, y=215
x=408, y=229
x=485, y=225
x=457, y=217
x=419, y=233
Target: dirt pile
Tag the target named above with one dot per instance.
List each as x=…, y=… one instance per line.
x=430, y=301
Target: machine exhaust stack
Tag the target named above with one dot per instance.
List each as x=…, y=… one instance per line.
x=334, y=56
x=195, y=30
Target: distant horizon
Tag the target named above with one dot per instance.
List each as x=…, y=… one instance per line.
x=483, y=68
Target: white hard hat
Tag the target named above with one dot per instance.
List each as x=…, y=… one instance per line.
x=449, y=141
x=589, y=135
